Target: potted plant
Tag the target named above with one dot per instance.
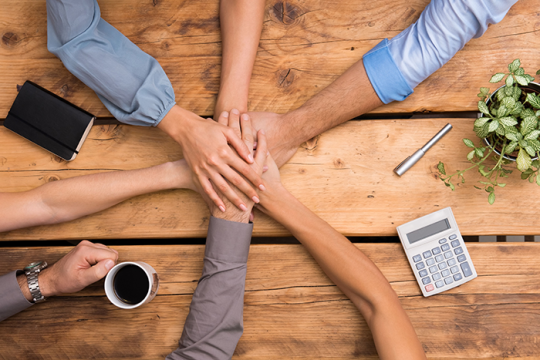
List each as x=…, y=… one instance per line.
x=509, y=129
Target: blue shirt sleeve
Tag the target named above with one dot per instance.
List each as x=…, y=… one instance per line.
x=395, y=67
x=130, y=83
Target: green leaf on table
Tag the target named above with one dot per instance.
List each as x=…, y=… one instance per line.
x=501, y=94
x=509, y=81
x=469, y=143
x=538, y=179
x=479, y=153
x=502, y=111
x=493, y=125
x=440, y=167
x=491, y=198
x=510, y=147
x=531, y=179
x=481, y=121
x=522, y=80
x=529, y=77
x=483, y=131
x=523, y=161
x=532, y=135
x=528, y=124
x=538, y=72
x=520, y=71
x=509, y=102
x=470, y=155
x=497, y=77
x=483, y=107
x=501, y=185
x=507, y=121
x=533, y=100
x=514, y=65
x=524, y=176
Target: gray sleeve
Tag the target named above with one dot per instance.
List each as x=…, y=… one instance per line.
x=12, y=300
x=215, y=320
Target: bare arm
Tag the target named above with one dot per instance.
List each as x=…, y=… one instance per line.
x=356, y=275
x=73, y=198
x=241, y=26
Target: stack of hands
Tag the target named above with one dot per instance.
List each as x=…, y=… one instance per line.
x=89, y=262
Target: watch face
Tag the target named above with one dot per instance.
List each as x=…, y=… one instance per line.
x=33, y=265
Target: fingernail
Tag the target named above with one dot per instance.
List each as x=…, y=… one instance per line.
x=243, y=207
x=109, y=265
x=250, y=157
x=255, y=145
x=251, y=217
x=235, y=111
x=225, y=114
x=267, y=153
x=262, y=132
x=255, y=199
x=245, y=117
x=222, y=208
x=262, y=187
x=265, y=168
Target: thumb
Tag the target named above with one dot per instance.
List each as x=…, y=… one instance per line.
x=97, y=272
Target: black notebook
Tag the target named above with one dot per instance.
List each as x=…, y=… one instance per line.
x=49, y=121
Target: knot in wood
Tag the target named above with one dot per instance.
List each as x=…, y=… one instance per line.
x=311, y=144
x=10, y=39
x=338, y=163
x=52, y=178
x=285, y=78
x=285, y=12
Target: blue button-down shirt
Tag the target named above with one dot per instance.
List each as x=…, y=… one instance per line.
x=395, y=67
x=130, y=83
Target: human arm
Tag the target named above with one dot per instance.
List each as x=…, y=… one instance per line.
x=354, y=273
x=69, y=199
x=241, y=25
x=82, y=266
x=388, y=72
x=136, y=90
x=214, y=323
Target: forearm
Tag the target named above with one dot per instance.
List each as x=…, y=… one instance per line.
x=347, y=97
x=75, y=197
x=356, y=275
x=241, y=25
x=69, y=199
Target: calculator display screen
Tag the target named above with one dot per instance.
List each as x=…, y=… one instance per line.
x=427, y=231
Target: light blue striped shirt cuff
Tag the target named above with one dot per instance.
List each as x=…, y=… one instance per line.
x=395, y=67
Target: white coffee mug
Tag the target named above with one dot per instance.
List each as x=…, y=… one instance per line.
x=153, y=281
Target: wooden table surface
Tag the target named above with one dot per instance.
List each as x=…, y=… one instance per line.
x=292, y=310
x=304, y=46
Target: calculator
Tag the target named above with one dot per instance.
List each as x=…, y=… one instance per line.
x=436, y=251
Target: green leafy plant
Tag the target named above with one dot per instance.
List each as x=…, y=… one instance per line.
x=509, y=126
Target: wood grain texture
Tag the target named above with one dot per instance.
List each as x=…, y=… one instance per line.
x=292, y=310
x=305, y=45
x=344, y=175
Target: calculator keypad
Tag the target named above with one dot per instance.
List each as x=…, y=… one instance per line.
x=442, y=272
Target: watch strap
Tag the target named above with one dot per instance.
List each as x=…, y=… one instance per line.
x=33, y=282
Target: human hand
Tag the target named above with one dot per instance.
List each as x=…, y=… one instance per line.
x=205, y=145
x=83, y=265
x=280, y=139
x=244, y=129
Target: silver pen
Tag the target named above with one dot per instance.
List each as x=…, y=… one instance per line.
x=413, y=159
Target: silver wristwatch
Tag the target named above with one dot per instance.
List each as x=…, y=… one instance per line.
x=32, y=271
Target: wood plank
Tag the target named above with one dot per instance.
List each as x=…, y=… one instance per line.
x=304, y=46
x=335, y=174
x=292, y=310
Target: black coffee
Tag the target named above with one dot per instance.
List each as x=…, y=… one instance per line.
x=131, y=284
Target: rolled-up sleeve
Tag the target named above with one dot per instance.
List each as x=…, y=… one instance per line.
x=215, y=320
x=129, y=82
x=12, y=300
x=395, y=67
